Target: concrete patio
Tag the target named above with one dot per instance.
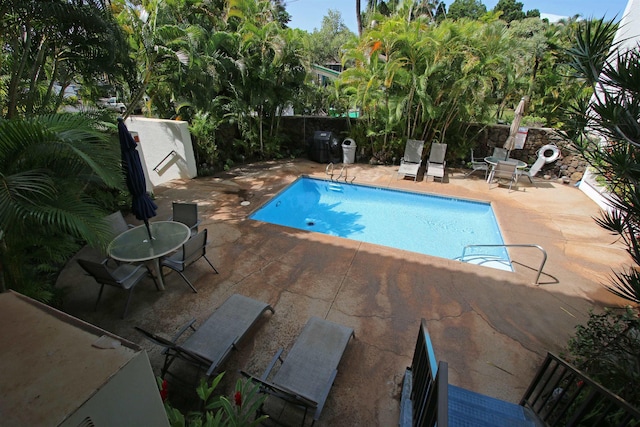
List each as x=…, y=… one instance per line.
x=493, y=327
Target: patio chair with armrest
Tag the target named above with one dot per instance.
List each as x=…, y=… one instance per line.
x=192, y=250
x=412, y=159
x=117, y=225
x=500, y=153
x=478, y=166
x=210, y=345
x=533, y=170
x=309, y=369
x=125, y=277
x=186, y=213
x=507, y=170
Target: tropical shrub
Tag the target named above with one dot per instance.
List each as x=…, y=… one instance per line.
x=607, y=350
x=605, y=131
x=419, y=81
x=49, y=168
x=219, y=410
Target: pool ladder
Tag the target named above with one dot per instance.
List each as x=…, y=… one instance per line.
x=540, y=248
x=330, y=170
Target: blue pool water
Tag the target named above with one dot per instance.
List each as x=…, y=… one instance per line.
x=427, y=224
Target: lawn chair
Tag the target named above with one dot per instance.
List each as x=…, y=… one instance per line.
x=478, y=166
x=436, y=162
x=412, y=159
x=500, y=153
x=505, y=170
x=186, y=213
x=210, y=345
x=533, y=170
x=193, y=249
x=125, y=277
x=117, y=224
x=307, y=373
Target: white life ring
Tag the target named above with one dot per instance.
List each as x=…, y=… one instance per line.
x=555, y=153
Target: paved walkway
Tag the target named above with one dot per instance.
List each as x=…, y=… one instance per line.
x=493, y=327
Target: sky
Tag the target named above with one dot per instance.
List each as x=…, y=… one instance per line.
x=307, y=14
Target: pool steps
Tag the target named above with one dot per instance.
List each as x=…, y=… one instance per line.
x=497, y=262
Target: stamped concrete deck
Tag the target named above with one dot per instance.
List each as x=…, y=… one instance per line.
x=493, y=327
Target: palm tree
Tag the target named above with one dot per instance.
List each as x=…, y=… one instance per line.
x=54, y=41
x=607, y=134
x=49, y=166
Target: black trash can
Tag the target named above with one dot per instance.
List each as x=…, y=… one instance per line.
x=325, y=148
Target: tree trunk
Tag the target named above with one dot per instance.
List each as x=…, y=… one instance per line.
x=359, y=18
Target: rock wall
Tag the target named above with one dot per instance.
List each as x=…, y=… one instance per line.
x=570, y=166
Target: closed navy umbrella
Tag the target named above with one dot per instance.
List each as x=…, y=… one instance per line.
x=141, y=204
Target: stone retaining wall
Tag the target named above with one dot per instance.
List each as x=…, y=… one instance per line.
x=300, y=130
x=570, y=164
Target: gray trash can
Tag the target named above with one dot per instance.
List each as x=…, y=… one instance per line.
x=348, y=151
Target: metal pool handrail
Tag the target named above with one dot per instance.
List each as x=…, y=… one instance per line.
x=544, y=253
x=329, y=170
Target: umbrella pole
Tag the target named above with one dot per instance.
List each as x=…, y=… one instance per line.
x=146, y=223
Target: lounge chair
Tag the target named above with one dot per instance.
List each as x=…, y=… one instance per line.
x=307, y=373
x=533, y=170
x=505, y=170
x=210, y=345
x=436, y=162
x=412, y=159
x=429, y=400
x=478, y=166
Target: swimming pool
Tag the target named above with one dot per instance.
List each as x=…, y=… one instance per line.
x=422, y=223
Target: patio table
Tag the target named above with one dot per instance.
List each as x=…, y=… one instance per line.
x=493, y=161
x=134, y=244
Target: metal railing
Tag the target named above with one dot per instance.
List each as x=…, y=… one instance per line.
x=172, y=153
x=561, y=395
x=344, y=171
x=544, y=253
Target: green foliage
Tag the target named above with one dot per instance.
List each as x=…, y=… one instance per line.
x=424, y=82
x=607, y=350
x=50, y=165
x=511, y=10
x=472, y=9
x=44, y=42
x=325, y=43
x=606, y=133
x=221, y=411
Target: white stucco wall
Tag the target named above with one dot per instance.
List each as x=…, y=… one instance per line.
x=629, y=30
x=159, y=139
x=627, y=37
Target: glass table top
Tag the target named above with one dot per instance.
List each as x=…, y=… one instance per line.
x=134, y=245
x=494, y=161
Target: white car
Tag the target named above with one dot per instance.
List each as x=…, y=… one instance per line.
x=113, y=104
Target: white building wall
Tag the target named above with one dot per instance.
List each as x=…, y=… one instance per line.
x=165, y=149
x=627, y=37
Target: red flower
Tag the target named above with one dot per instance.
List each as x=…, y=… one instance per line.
x=580, y=383
x=164, y=390
x=238, y=398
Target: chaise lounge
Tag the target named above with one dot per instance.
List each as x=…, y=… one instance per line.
x=210, y=345
x=307, y=373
